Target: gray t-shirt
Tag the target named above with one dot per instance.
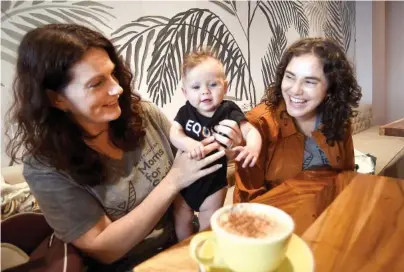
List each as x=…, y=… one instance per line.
x=313, y=155
x=72, y=210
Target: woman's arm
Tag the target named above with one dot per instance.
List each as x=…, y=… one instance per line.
x=108, y=241
x=349, y=163
x=250, y=181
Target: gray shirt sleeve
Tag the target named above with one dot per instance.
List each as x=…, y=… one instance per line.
x=158, y=116
x=68, y=208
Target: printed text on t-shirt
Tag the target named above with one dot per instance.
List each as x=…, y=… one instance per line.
x=150, y=167
x=197, y=129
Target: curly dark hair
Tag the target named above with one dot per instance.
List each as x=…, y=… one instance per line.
x=343, y=93
x=47, y=134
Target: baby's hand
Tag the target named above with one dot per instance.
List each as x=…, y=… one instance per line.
x=249, y=155
x=196, y=151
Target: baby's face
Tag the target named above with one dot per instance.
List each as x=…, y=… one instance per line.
x=204, y=86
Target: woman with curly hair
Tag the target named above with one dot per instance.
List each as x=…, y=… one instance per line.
x=97, y=158
x=304, y=119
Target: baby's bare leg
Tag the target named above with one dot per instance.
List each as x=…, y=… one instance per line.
x=183, y=216
x=209, y=206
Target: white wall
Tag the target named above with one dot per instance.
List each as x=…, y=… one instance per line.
x=380, y=58
x=395, y=60
x=363, y=54
x=379, y=87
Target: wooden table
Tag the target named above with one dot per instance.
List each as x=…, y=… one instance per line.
x=307, y=196
x=362, y=230
x=395, y=128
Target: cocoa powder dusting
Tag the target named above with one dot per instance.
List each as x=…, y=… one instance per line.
x=247, y=224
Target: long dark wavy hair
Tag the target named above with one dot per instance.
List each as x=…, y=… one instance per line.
x=343, y=93
x=47, y=134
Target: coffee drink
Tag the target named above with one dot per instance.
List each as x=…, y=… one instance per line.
x=245, y=237
x=250, y=224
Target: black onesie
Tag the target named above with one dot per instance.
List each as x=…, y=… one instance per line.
x=199, y=127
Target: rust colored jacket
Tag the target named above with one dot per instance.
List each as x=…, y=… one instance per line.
x=282, y=153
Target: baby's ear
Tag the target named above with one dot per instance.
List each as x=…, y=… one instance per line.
x=225, y=85
x=182, y=86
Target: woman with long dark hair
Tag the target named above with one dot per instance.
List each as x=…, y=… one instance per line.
x=96, y=157
x=304, y=120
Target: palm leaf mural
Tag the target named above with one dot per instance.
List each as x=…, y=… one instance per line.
x=317, y=13
x=154, y=46
x=340, y=23
x=284, y=14
x=175, y=37
x=280, y=15
x=134, y=42
x=273, y=56
x=348, y=22
x=229, y=6
x=19, y=17
x=185, y=32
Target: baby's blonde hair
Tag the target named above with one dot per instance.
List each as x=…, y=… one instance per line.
x=196, y=57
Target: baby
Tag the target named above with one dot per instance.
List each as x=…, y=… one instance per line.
x=204, y=86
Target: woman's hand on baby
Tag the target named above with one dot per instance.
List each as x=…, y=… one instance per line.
x=228, y=133
x=186, y=170
x=248, y=154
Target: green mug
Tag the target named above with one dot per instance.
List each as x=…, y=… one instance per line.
x=221, y=250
